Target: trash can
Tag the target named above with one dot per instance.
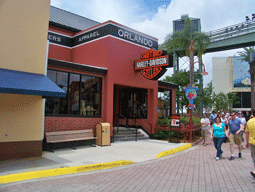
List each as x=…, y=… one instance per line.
x=103, y=133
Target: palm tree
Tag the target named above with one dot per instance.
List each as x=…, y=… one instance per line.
x=245, y=56
x=186, y=42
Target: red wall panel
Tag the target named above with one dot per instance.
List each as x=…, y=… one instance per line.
x=70, y=123
x=60, y=53
x=95, y=53
x=62, y=31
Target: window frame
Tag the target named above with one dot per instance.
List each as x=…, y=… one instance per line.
x=68, y=97
x=170, y=102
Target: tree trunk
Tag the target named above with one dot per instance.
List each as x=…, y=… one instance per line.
x=191, y=59
x=252, y=72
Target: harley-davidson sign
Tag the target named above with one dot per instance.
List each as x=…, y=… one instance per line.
x=153, y=64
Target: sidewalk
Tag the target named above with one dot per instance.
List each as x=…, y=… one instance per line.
x=194, y=169
x=132, y=151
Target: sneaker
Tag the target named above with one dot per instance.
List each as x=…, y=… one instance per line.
x=217, y=158
x=231, y=158
x=240, y=155
x=253, y=174
x=221, y=153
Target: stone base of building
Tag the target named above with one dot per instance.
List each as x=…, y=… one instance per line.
x=20, y=149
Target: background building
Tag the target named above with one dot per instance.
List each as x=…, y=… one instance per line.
x=230, y=74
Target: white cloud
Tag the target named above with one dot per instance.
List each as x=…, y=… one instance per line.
x=122, y=11
x=213, y=14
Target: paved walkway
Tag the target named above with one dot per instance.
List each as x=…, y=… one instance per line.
x=194, y=169
x=142, y=150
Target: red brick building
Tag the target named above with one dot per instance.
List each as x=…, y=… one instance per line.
x=94, y=63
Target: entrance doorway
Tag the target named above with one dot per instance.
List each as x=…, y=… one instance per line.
x=130, y=102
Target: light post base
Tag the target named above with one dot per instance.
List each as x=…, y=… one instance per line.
x=190, y=126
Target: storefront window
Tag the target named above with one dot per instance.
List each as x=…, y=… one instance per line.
x=83, y=95
x=164, y=110
x=57, y=105
x=243, y=100
x=90, y=96
x=74, y=94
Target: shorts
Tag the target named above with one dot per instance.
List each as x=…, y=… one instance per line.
x=235, y=139
x=252, y=152
x=204, y=132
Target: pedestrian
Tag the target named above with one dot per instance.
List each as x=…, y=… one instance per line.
x=226, y=113
x=223, y=119
x=205, y=122
x=243, y=120
x=247, y=116
x=218, y=114
x=234, y=132
x=237, y=114
x=212, y=117
x=218, y=135
x=250, y=139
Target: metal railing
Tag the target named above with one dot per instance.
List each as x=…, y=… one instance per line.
x=134, y=121
x=139, y=118
x=145, y=127
x=125, y=125
x=232, y=31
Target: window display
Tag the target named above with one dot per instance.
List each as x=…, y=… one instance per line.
x=83, y=95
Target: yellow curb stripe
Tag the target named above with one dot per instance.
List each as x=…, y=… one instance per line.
x=171, y=151
x=60, y=171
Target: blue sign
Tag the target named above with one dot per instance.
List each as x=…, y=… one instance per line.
x=191, y=94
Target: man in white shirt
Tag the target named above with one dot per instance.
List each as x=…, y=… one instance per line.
x=205, y=122
x=243, y=120
x=226, y=113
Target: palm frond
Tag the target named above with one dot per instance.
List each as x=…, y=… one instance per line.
x=245, y=54
x=180, y=41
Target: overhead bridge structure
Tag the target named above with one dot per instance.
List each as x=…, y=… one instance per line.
x=232, y=37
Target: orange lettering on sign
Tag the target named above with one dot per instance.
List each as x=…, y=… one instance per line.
x=151, y=63
x=151, y=72
x=150, y=54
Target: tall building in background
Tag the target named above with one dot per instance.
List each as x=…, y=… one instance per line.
x=230, y=74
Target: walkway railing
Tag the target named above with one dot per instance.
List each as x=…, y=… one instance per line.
x=126, y=124
x=183, y=131
x=232, y=31
x=141, y=121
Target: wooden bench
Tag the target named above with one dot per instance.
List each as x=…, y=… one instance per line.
x=69, y=136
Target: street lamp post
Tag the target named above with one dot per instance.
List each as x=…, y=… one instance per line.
x=191, y=84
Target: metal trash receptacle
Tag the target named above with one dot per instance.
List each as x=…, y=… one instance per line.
x=103, y=133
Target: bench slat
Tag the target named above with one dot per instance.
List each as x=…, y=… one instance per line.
x=69, y=132
x=74, y=135
x=66, y=140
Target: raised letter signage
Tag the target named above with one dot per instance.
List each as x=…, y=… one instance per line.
x=153, y=64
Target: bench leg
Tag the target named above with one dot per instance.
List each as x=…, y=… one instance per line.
x=73, y=145
x=51, y=148
x=93, y=144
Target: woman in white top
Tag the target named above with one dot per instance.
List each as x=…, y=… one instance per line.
x=205, y=122
x=223, y=119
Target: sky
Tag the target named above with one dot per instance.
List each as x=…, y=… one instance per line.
x=155, y=18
